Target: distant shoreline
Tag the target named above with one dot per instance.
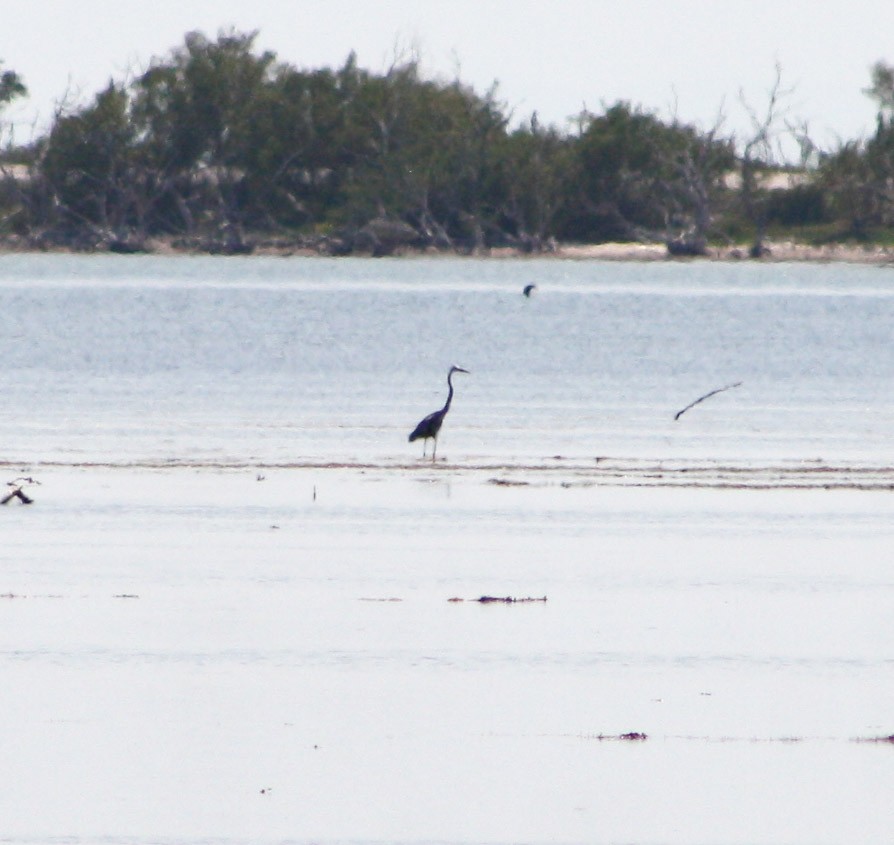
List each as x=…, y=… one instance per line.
x=777, y=252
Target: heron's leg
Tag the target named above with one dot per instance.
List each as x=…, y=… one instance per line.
x=434, y=450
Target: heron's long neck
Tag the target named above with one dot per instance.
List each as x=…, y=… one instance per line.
x=449, y=393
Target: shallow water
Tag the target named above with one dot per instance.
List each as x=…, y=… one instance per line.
x=227, y=617
x=280, y=360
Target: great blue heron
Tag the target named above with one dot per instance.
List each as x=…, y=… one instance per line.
x=431, y=425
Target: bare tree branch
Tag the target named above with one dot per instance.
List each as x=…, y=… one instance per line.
x=706, y=396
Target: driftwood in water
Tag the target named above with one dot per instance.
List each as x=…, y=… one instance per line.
x=17, y=493
x=632, y=736
x=706, y=396
x=501, y=600
x=508, y=599
x=886, y=739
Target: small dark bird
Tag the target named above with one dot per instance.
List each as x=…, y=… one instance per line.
x=529, y=289
x=431, y=425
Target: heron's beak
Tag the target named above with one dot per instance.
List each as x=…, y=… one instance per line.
x=461, y=370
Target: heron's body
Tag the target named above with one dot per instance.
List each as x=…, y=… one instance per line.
x=429, y=426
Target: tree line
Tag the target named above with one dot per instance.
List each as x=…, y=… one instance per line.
x=220, y=147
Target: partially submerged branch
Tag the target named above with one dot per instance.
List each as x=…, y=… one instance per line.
x=501, y=600
x=706, y=396
x=16, y=491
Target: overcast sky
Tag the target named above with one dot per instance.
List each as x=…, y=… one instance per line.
x=554, y=58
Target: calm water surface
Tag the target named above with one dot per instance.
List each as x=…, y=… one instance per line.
x=286, y=359
x=226, y=619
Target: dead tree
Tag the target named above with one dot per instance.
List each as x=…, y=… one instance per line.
x=759, y=153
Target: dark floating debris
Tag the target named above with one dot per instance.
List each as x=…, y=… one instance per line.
x=500, y=600
x=885, y=739
x=509, y=600
x=529, y=289
x=632, y=736
x=32, y=596
x=706, y=396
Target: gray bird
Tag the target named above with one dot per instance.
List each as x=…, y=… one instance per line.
x=431, y=425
